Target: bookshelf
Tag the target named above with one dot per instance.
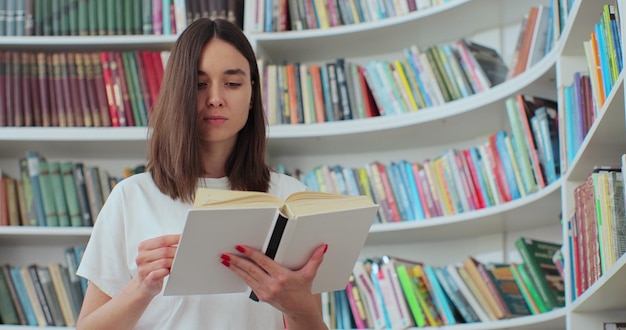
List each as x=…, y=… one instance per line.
x=488, y=233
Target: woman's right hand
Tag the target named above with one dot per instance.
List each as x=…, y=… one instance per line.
x=154, y=261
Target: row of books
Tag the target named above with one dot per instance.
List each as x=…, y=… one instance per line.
x=598, y=226
x=395, y=293
x=277, y=15
x=585, y=96
x=55, y=193
x=43, y=295
x=503, y=168
x=79, y=89
x=298, y=93
x=111, y=17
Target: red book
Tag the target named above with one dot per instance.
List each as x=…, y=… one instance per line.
x=44, y=90
x=16, y=81
x=371, y=109
x=77, y=92
x=393, y=204
x=143, y=82
x=498, y=169
x=65, y=117
x=159, y=67
x=3, y=86
x=26, y=92
x=112, y=101
x=73, y=115
x=53, y=92
x=466, y=180
x=34, y=89
x=121, y=85
x=79, y=84
x=98, y=88
x=475, y=180
x=151, y=76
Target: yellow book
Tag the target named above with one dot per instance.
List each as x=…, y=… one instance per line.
x=288, y=231
x=406, y=87
x=448, y=205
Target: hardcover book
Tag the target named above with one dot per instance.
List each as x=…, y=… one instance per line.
x=288, y=231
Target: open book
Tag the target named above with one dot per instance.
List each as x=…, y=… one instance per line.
x=287, y=231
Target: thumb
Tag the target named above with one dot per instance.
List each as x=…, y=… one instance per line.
x=315, y=260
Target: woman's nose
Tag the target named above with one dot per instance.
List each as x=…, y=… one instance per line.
x=215, y=97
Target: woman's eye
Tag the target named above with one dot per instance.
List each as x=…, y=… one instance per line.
x=202, y=84
x=233, y=84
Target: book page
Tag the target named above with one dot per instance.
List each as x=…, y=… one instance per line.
x=206, y=198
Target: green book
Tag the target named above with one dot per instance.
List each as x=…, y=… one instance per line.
x=82, y=17
x=47, y=195
x=71, y=195
x=537, y=256
x=58, y=193
x=410, y=293
x=8, y=313
x=532, y=287
x=131, y=87
x=93, y=17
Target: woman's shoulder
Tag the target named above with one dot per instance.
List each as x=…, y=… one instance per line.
x=141, y=181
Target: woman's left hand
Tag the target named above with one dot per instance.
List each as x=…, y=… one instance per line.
x=287, y=290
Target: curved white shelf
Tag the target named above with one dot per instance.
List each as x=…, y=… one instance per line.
x=88, y=43
x=532, y=211
x=607, y=293
x=445, y=124
x=16, y=235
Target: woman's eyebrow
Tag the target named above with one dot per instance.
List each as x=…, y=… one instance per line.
x=229, y=72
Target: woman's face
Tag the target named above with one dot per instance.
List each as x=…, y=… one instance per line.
x=224, y=93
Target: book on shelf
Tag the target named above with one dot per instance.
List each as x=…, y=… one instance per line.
x=537, y=256
x=287, y=231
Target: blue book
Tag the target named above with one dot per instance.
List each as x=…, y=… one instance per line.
x=484, y=188
x=328, y=105
x=406, y=171
x=505, y=157
x=399, y=191
x=541, y=117
x=570, y=146
x=443, y=302
x=604, y=60
x=453, y=292
x=27, y=307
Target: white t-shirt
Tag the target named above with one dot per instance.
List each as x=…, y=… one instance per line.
x=135, y=211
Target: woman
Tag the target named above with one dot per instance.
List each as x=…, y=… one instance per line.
x=208, y=129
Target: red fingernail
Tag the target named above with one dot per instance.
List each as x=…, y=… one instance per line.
x=240, y=248
x=226, y=263
x=225, y=257
x=325, y=248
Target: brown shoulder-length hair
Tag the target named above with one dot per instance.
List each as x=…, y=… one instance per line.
x=174, y=150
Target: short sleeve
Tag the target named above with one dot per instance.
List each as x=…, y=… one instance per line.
x=104, y=260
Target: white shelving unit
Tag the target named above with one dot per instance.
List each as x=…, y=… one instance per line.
x=487, y=234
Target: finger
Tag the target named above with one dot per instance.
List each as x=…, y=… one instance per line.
x=266, y=263
x=160, y=241
x=149, y=256
x=250, y=272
